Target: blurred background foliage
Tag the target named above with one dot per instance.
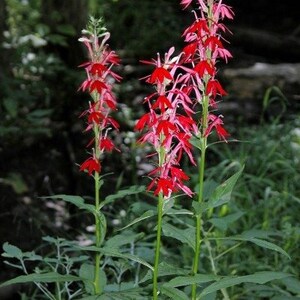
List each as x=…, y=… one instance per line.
x=42, y=140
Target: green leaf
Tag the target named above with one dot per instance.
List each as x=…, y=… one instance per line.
x=103, y=225
x=189, y=280
x=45, y=277
x=222, y=193
x=258, y=242
x=76, y=200
x=174, y=293
x=11, y=105
x=186, y=236
x=292, y=284
x=224, y=222
x=259, y=278
x=87, y=272
x=269, y=245
x=165, y=269
x=11, y=251
x=115, y=253
x=167, y=205
x=146, y=215
x=123, y=239
x=135, y=189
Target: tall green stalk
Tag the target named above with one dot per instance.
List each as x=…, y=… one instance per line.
x=203, y=146
x=161, y=159
x=157, y=246
x=97, y=217
x=98, y=235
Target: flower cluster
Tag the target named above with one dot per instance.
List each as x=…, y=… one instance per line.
x=204, y=48
x=178, y=80
x=99, y=85
x=169, y=125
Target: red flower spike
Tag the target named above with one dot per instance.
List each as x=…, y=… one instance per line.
x=159, y=75
x=91, y=165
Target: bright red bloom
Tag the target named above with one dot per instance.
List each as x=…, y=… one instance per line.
x=96, y=117
x=98, y=69
x=159, y=75
x=166, y=186
x=97, y=85
x=91, y=165
x=106, y=144
x=214, y=88
x=179, y=174
x=162, y=103
x=165, y=127
x=204, y=67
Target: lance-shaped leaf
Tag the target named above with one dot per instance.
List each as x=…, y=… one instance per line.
x=222, y=193
x=259, y=278
x=76, y=200
x=45, y=277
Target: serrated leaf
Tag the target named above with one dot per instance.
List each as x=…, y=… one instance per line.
x=186, y=236
x=174, y=293
x=146, y=215
x=222, y=193
x=135, y=189
x=11, y=251
x=76, y=200
x=45, y=277
x=259, y=278
x=189, y=280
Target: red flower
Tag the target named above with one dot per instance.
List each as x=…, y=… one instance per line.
x=106, y=144
x=214, y=88
x=97, y=69
x=165, y=127
x=160, y=74
x=146, y=119
x=162, y=103
x=98, y=86
x=164, y=185
x=179, y=174
x=91, y=165
x=96, y=117
x=204, y=66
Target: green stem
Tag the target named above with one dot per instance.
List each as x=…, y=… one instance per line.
x=98, y=235
x=203, y=146
x=157, y=248
x=199, y=216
